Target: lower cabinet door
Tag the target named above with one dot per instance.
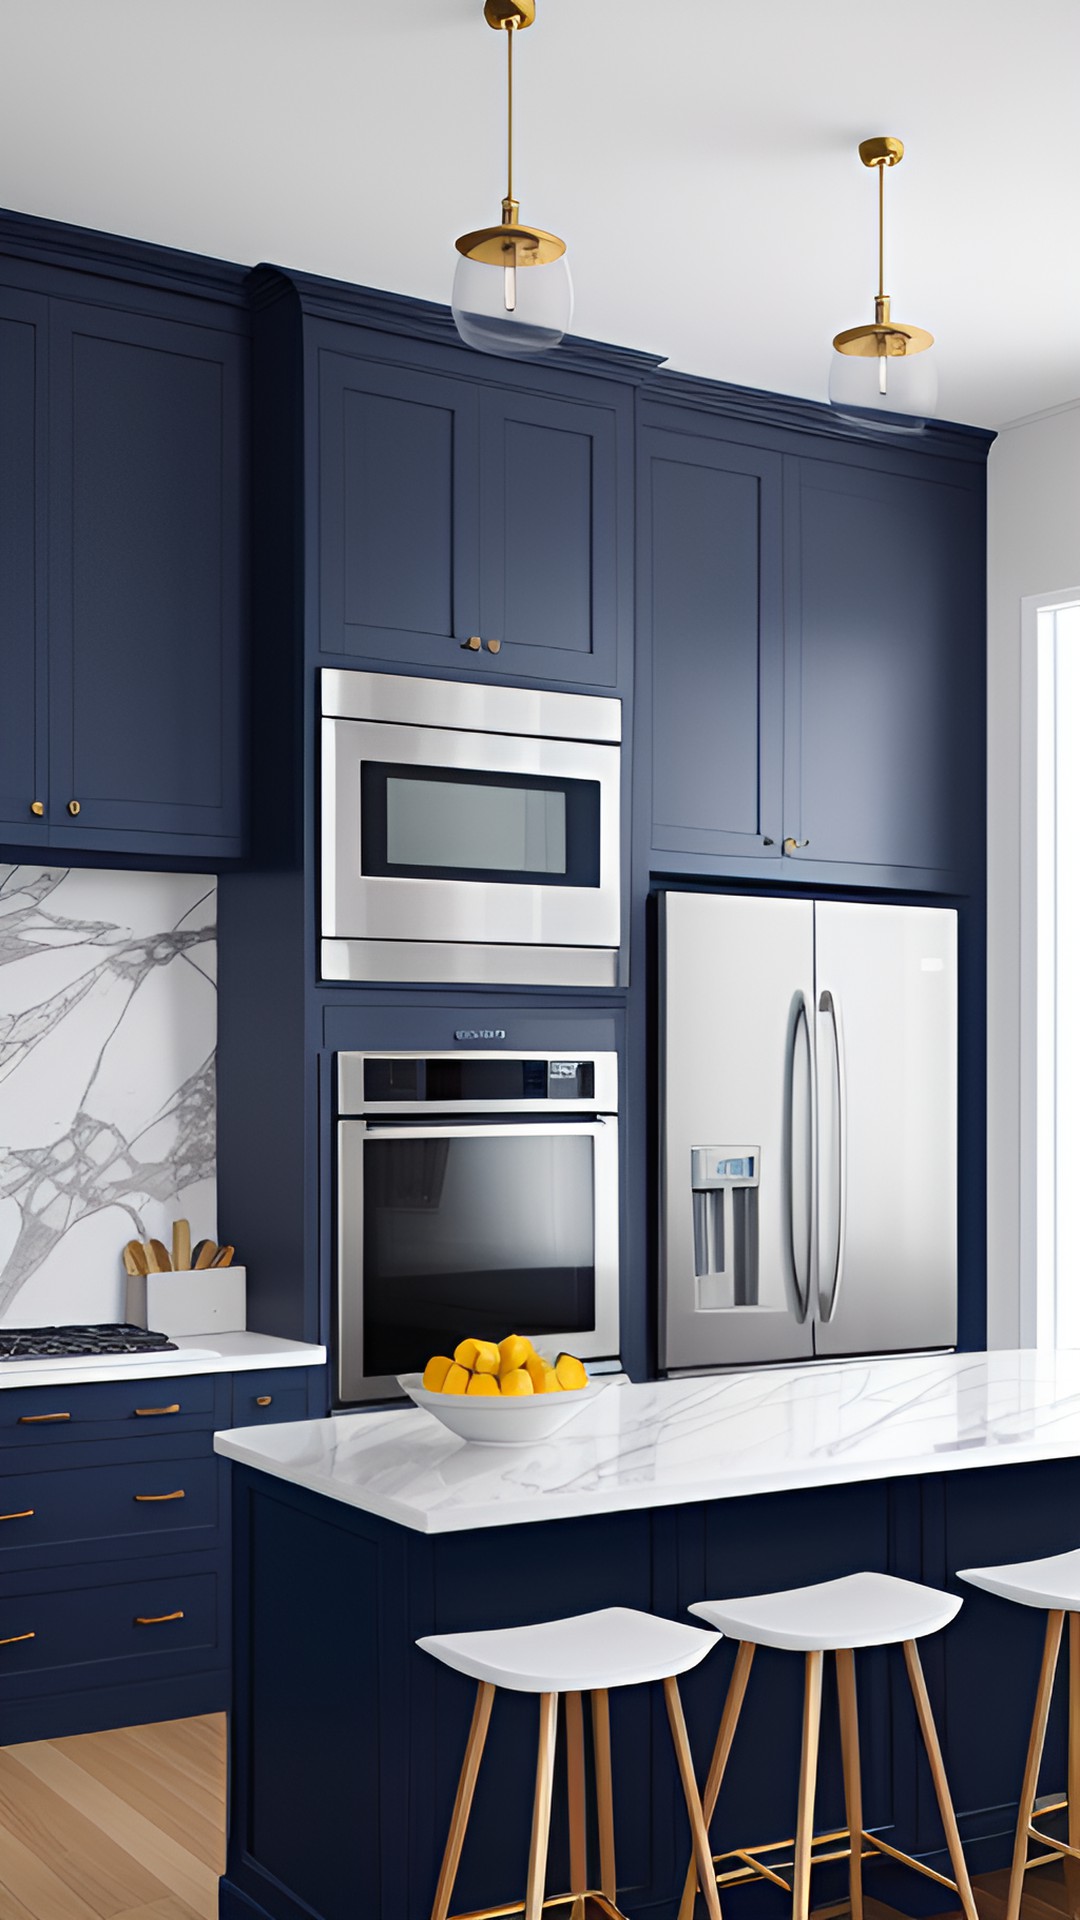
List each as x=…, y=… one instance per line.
x=261, y=1399
x=140, y=1626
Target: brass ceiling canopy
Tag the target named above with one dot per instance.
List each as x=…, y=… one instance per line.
x=886, y=338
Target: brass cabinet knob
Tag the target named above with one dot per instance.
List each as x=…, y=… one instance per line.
x=493, y=646
x=792, y=846
x=37, y=808
x=74, y=807
x=263, y=1399
x=473, y=644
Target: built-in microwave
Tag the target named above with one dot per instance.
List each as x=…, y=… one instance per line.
x=477, y=1194
x=469, y=833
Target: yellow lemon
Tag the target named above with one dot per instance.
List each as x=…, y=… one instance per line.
x=515, y=1383
x=480, y=1356
x=514, y=1352
x=572, y=1375
x=436, y=1371
x=457, y=1380
x=483, y=1384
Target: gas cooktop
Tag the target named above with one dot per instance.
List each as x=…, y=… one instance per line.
x=47, y=1343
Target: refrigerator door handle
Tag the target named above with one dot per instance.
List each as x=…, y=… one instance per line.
x=828, y=1003
x=802, y=1019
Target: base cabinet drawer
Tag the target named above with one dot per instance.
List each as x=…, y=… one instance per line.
x=104, y=1509
x=40, y=1416
x=154, y=1621
x=261, y=1399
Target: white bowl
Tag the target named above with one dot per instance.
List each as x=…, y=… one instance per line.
x=492, y=1422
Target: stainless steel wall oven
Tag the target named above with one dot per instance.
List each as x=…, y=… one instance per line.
x=478, y=1193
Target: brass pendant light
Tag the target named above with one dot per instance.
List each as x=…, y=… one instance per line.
x=498, y=307
x=884, y=371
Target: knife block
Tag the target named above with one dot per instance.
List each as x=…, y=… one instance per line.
x=213, y=1300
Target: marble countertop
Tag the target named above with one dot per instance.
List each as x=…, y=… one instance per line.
x=662, y=1443
x=202, y=1353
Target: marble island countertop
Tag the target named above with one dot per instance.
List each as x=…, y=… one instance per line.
x=666, y=1442
x=196, y=1353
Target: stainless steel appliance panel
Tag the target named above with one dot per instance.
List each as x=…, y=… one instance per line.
x=737, y=982
x=886, y=1019
x=464, y=963
x=409, y=701
x=359, y=905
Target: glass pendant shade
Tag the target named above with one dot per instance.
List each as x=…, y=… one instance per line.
x=894, y=390
x=519, y=310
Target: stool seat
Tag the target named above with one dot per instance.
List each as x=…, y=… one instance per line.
x=858, y=1610
x=1053, y=1583
x=591, y=1652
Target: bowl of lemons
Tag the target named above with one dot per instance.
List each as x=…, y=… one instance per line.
x=502, y=1393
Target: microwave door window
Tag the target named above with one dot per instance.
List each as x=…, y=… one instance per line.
x=451, y=823
x=448, y=823
x=485, y=1235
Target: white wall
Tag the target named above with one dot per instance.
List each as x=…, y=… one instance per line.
x=1034, y=548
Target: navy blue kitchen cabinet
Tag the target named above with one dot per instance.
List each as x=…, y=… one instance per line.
x=885, y=621
x=711, y=633
x=23, y=656
x=123, y=548
x=810, y=644
x=451, y=510
x=114, y=1545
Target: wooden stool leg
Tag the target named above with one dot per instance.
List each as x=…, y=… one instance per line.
x=1026, y=1810
x=804, y=1825
x=729, y=1720
x=545, y=1771
x=702, y=1854
x=849, y=1748
x=459, y=1819
x=941, y=1784
x=575, y=1789
x=1072, y=1867
x=605, y=1811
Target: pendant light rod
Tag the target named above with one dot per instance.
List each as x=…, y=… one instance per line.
x=881, y=233
x=510, y=207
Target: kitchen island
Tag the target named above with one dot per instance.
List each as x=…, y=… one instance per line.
x=357, y=1534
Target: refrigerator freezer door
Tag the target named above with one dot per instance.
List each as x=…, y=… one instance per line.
x=737, y=1020
x=886, y=1057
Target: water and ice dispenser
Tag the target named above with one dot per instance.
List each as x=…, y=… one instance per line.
x=724, y=1183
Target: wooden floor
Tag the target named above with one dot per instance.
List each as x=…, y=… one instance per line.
x=114, y=1826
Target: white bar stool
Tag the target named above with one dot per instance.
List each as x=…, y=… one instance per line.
x=592, y=1653
x=1054, y=1585
x=837, y=1616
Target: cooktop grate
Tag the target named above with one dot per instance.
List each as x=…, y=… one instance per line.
x=46, y=1343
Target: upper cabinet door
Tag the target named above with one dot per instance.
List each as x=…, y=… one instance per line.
x=23, y=663
x=885, y=619
x=147, y=582
x=549, y=536
x=398, y=481
x=709, y=548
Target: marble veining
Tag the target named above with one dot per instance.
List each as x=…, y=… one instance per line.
x=108, y=1025
x=662, y=1443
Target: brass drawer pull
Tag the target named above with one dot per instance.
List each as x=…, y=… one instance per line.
x=13, y=1637
x=157, y=1619
x=145, y=1413
x=36, y=1419
x=37, y=808
x=178, y=1495
x=74, y=808
x=26, y=1514
x=263, y=1399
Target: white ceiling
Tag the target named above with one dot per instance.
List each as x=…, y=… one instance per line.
x=700, y=161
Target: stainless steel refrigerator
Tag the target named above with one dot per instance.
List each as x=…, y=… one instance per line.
x=808, y=1072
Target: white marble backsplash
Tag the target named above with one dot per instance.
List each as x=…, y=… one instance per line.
x=108, y=1024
